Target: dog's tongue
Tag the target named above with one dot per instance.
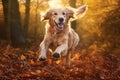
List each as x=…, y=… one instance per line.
x=60, y=25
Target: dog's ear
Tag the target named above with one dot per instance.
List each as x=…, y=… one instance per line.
x=81, y=11
x=70, y=13
x=47, y=15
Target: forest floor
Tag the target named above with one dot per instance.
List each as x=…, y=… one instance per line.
x=22, y=64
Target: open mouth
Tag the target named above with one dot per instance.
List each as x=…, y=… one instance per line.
x=59, y=25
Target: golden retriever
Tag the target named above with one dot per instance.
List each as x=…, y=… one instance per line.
x=59, y=33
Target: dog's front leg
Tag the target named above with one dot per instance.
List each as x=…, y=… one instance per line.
x=43, y=51
x=59, y=50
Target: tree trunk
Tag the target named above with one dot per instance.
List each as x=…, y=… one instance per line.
x=7, y=27
x=36, y=21
x=72, y=3
x=119, y=3
x=26, y=19
x=5, y=9
x=82, y=2
x=13, y=21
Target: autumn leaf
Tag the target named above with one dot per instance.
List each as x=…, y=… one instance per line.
x=1, y=73
x=22, y=57
x=32, y=62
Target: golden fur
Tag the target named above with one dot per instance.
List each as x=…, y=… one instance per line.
x=59, y=34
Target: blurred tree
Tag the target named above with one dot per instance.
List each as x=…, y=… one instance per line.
x=26, y=19
x=119, y=3
x=72, y=3
x=13, y=21
x=82, y=1
x=36, y=20
x=111, y=28
x=5, y=9
x=2, y=21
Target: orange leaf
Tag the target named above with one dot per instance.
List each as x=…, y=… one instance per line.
x=1, y=72
x=22, y=57
x=57, y=62
x=38, y=71
x=32, y=62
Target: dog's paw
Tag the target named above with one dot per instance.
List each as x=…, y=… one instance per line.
x=56, y=55
x=41, y=59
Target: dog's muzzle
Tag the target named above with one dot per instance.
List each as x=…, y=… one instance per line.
x=60, y=25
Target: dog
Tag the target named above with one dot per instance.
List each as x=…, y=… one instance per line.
x=59, y=35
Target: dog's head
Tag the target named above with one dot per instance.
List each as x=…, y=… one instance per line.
x=59, y=17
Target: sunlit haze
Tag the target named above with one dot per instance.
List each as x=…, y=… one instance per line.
x=55, y=3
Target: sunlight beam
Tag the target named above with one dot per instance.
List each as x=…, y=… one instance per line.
x=55, y=3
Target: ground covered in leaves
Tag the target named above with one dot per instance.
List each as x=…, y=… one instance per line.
x=22, y=64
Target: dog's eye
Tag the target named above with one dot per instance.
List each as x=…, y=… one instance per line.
x=55, y=13
x=63, y=13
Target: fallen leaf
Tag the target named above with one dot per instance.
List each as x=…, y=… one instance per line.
x=32, y=62
x=1, y=72
x=22, y=57
x=58, y=62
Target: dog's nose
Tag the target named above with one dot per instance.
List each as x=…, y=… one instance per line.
x=61, y=19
